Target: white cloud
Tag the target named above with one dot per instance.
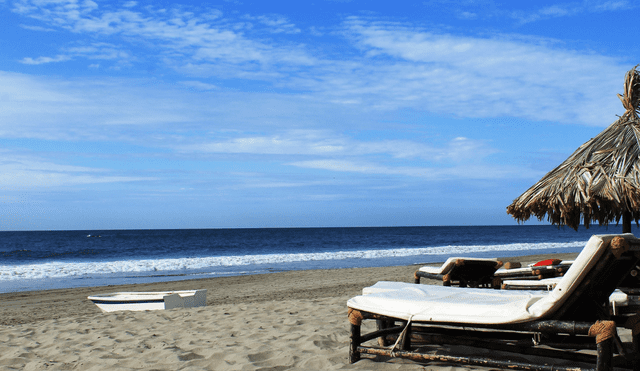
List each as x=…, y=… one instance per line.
x=52, y=109
x=199, y=85
x=469, y=9
x=43, y=60
x=459, y=158
x=323, y=143
x=20, y=90
x=475, y=77
x=19, y=171
x=277, y=24
x=98, y=51
x=611, y=5
x=42, y=179
x=37, y=28
x=267, y=183
x=294, y=143
x=570, y=9
x=430, y=173
x=387, y=66
x=182, y=34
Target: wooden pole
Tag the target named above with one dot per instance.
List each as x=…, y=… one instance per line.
x=636, y=350
x=605, y=354
x=468, y=360
x=354, y=353
x=626, y=222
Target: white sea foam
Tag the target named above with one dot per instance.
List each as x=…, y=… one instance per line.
x=80, y=269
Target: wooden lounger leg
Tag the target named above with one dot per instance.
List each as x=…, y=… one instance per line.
x=605, y=355
x=406, y=345
x=354, y=354
x=636, y=352
x=381, y=324
x=605, y=333
x=355, y=319
x=633, y=324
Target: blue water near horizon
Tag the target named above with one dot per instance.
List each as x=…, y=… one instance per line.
x=36, y=260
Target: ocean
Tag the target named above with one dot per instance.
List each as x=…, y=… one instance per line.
x=36, y=260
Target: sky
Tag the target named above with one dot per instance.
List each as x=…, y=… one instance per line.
x=326, y=113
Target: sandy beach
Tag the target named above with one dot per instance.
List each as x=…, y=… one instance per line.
x=281, y=321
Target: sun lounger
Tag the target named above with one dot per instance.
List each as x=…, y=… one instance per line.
x=544, y=269
x=415, y=318
x=463, y=272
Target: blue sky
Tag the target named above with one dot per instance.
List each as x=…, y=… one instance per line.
x=227, y=114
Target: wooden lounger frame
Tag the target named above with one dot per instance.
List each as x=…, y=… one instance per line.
x=465, y=273
x=519, y=339
x=532, y=286
x=583, y=316
x=540, y=272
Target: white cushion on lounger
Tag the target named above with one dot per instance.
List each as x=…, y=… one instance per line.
x=563, y=262
x=449, y=304
x=482, y=306
x=449, y=264
x=512, y=271
x=618, y=297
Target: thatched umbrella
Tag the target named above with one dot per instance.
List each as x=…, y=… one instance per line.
x=600, y=181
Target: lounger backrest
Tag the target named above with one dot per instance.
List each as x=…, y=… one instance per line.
x=595, y=249
x=450, y=263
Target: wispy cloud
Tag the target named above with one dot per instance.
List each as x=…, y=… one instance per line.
x=477, y=76
x=277, y=24
x=43, y=60
x=199, y=85
x=295, y=143
x=200, y=39
x=458, y=158
x=387, y=66
x=461, y=171
x=20, y=171
x=472, y=10
x=36, y=28
x=571, y=9
x=323, y=143
x=99, y=51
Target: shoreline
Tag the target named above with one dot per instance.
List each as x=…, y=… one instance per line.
x=32, y=306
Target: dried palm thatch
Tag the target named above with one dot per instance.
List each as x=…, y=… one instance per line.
x=600, y=181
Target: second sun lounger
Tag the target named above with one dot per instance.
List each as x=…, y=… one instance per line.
x=463, y=272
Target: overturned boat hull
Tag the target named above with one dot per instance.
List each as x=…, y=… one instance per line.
x=139, y=301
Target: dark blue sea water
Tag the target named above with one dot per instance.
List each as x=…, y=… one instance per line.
x=33, y=260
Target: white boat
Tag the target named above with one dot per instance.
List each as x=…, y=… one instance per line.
x=149, y=300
